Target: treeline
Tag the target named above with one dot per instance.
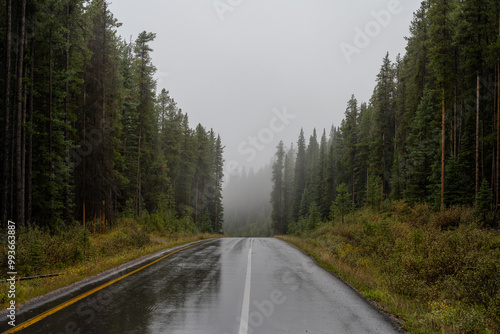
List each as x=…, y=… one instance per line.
x=85, y=134
x=430, y=132
x=246, y=204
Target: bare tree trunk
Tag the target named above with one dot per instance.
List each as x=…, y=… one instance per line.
x=23, y=144
x=477, y=136
x=103, y=116
x=196, y=203
x=19, y=123
x=216, y=221
x=455, y=124
x=493, y=160
x=66, y=121
x=6, y=133
x=353, y=189
x=12, y=167
x=84, y=106
x=29, y=159
x=443, y=137
x=498, y=142
x=139, y=199
x=498, y=126
x=50, y=109
x=482, y=150
x=383, y=167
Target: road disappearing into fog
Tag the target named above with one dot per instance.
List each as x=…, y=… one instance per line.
x=223, y=286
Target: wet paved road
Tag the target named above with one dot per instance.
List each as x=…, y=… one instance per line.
x=214, y=288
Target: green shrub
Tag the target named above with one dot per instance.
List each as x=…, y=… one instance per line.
x=452, y=217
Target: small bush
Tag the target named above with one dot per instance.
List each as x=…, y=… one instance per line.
x=452, y=217
x=419, y=215
x=31, y=250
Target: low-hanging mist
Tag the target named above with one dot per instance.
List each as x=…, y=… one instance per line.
x=247, y=208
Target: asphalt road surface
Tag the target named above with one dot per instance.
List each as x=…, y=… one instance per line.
x=224, y=286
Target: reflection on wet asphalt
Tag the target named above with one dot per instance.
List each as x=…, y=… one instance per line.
x=200, y=290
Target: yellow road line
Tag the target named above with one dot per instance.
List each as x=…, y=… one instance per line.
x=53, y=310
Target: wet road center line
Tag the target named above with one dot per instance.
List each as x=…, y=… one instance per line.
x=245, y=309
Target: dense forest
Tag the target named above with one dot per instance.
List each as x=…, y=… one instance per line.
x=246, y=204
x=85, y=134
x=430, y=132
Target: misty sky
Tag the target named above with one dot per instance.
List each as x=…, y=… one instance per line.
x=262, y=69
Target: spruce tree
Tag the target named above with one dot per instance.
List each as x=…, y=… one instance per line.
x=299, y=176
x=343, y=203
x=349, y=130
x=277, y=194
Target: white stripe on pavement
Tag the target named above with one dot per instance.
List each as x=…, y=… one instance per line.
x=246, y=295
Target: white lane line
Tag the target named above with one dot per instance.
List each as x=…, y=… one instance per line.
x=245, y=309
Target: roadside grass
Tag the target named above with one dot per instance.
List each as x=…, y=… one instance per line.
x=77, y=253
x=437, y=272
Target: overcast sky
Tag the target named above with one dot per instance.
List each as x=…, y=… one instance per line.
x=256, y=71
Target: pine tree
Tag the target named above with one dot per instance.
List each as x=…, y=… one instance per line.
x=170, y=133
x=217, y=210
x=342, y=204
x=441, y=56
x=321, y=179
x=382, y=132
x=146, y=85
x=363, y=147
x=400, y=135
x=330, y=176
x=349, y=130
x=277, y=194
x=185, y=182
x=373, y=193
x=311, y=181
x=314, y=219
x=202, y=172
x=423, y=145
x=288, y=179
x=299, y=176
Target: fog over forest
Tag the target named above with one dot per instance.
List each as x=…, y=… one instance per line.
x=248, y=213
